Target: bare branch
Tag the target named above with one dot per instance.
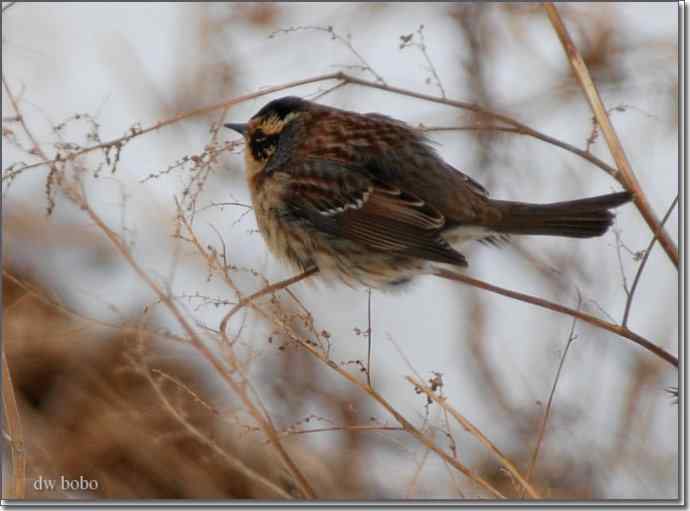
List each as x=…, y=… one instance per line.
x=347, y=41
x=625, y=174
x=200, y=346
x=471, y=428
x=408, y=40
x=232, y=461
x=514, y=125
x=547, y=411
x=15, y=436
x=631, y=294
x=619, y=244
x=406, y=425
x=172, y=120
x=616, y=329
x=264, y=291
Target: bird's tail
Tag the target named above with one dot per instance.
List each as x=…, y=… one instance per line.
x=583, y=218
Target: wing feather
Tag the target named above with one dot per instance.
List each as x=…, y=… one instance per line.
x=355, y=207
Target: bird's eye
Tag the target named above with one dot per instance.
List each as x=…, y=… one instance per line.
x=262, y=144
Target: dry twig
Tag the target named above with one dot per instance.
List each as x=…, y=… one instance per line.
x=547, y=411
x=624, y=174
x=195, y=432
x=277, y=286
x=471, y=428
x=406, y=425
x=263, y=420
x=15, y=437
x=616, y=329
x=640, y=269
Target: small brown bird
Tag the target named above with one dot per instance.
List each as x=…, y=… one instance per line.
x=366, y=198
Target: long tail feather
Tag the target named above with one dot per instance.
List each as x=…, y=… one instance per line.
x=583, y=218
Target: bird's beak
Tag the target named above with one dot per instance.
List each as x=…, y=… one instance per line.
x=239, y=127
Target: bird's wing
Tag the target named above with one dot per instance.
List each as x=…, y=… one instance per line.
x=350, y=205
x=422, y=138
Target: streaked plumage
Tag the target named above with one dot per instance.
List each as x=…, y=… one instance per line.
x=367, y=199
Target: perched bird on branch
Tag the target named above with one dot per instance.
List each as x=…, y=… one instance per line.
x=365, y=198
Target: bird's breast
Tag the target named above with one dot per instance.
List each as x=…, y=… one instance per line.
x=286, y=241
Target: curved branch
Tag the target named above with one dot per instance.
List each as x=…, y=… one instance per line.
x=16, y=488
x=625, y=174
x=406, y=425
x=172, y=120
x=264, y=421
x=472, y=429
x=515, y=126
x=628, y=304
x=272, y=288
x=540, y=302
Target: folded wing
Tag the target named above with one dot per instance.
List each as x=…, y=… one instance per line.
x=353, y=206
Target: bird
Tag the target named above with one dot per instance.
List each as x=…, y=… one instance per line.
x=367, y=200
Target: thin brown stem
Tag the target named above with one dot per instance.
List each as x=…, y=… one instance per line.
x=631, y=294
x=625, y=174
x=36, y=148
x=514, y=126
x=346, y=41
x=124, y=329
x=412, y=485
x=341, y=428
x=540, y=302
x=264, y=291
x=582, y=153
x=17, y=490
x=473, y=430
x=519, y=127
x=176, y=118
x=231, y=460
x=369, y=379
x=406, y=425
x=263, y=421
x=547, y=411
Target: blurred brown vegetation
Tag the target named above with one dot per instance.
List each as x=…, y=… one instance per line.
x=88, y=410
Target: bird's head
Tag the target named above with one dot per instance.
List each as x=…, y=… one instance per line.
x=263, y=131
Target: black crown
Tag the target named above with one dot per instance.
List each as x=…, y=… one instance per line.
x=281, y=107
